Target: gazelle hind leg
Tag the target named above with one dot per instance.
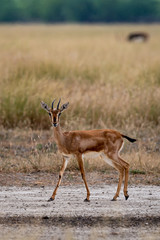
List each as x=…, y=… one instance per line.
x=126, y=167
x=121, y=175
x=64, y=165
x=113, y=161
x=126, y=183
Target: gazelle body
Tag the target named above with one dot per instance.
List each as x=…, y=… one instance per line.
x=108, y=143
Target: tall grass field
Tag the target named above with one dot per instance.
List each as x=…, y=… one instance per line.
x=109, y=82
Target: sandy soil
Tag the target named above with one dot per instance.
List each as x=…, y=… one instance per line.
x=26, y=209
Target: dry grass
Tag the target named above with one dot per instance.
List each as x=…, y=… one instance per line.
x=109, y=83
x=35, y=151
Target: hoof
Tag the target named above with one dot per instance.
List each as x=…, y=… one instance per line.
x=126, y=197
x=86, y=200
x=51, y=199
x=113, y=199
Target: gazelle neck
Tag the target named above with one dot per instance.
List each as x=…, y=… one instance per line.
x=58, y=134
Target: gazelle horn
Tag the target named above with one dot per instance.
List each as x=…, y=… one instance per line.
x=58, y=103
x=53, y=103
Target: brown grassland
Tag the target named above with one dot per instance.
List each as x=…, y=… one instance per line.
x=109, y=82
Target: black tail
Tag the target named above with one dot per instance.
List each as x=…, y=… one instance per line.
x=128, y=138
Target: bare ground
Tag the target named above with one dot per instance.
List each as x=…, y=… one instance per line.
x=25, y=212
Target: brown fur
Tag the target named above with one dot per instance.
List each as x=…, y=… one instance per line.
x=74, y=142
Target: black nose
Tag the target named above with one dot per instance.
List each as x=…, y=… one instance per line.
x=55, y=124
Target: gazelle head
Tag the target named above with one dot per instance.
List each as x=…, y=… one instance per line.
x=54, y=113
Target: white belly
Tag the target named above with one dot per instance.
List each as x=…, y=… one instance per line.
x=106, y=159
x=92, y=155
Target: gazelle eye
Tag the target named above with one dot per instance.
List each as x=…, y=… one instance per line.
x=49, y=114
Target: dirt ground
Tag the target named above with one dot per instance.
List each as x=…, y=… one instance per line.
x=26, y=214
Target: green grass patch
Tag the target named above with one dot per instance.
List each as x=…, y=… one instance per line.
x=137, y=171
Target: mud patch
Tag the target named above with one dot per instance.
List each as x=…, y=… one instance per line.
x=90, y=221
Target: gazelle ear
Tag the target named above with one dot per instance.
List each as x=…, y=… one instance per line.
x=44, y=106
x=64, y=106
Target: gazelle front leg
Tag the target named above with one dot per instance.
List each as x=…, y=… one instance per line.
x=81, y=166
x=64, y=165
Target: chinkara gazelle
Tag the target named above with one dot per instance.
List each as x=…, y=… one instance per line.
x=108, y=143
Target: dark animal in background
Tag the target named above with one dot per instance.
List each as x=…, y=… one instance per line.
x=138, y=37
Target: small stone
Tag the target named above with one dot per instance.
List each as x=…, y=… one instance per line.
x=45, y=217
